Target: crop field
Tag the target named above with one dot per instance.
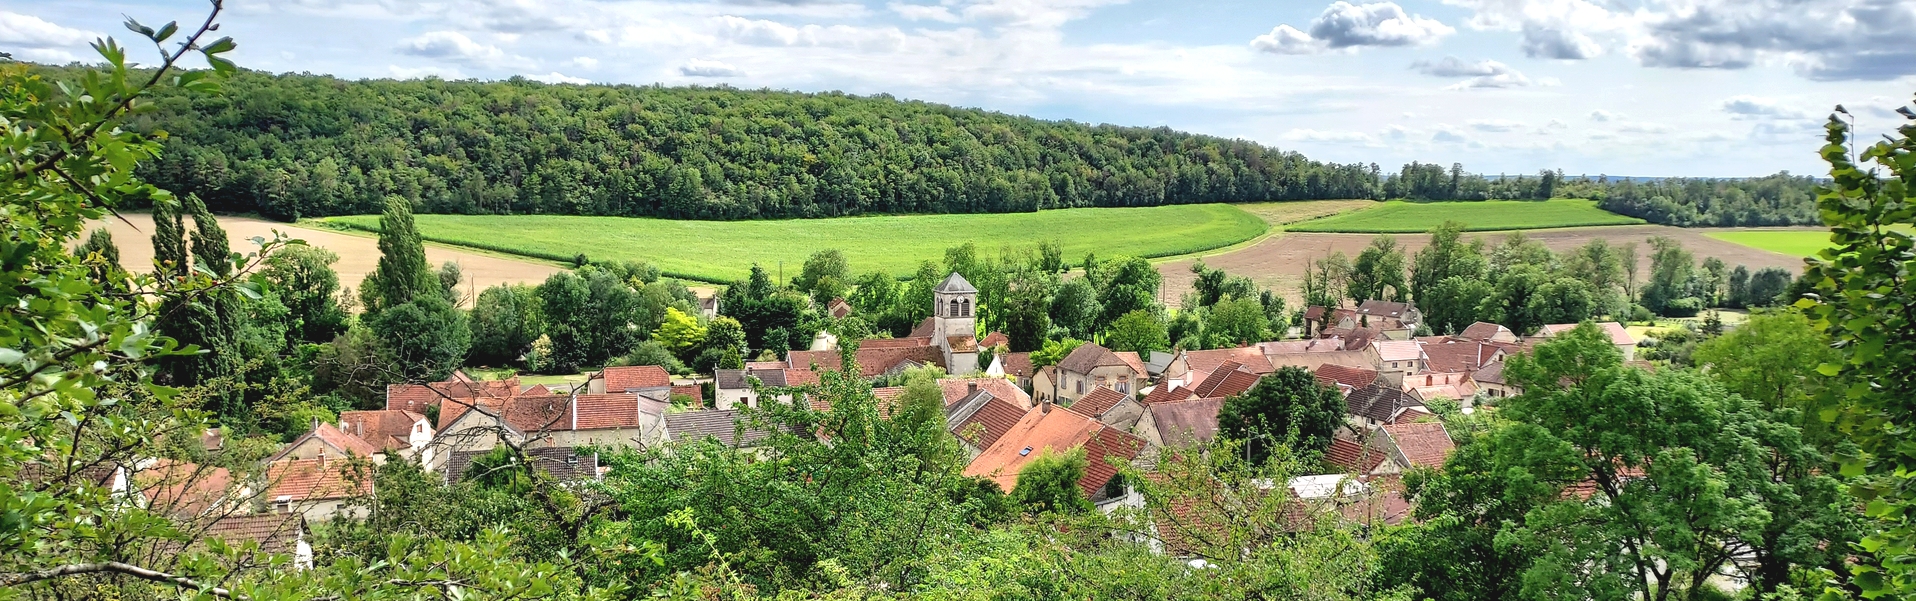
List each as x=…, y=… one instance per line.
x=725, y=250
x=1286, y=212
x=1400, y=217
x=1795, y=243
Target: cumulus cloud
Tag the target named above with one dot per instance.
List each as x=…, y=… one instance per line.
x=709, y=68
x=1344, y=25
x=450, y=45
x=1448, y=134
x=18, y=30
x=557, y=77
x=1758, y=107
x=1482, y=74
x=398, y=72
x=761, y=32
x=1601, y=115
x=1312, y=135
x=1495, y=125
x=1541, y=41
x=921, y=12
x=584, y=62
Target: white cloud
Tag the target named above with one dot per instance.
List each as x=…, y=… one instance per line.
x=1601, y=115
x=1312, y=135
x=450, y=45
x=557, y=77
x=1482, y=74
x=1448, y=135
x=709, y=68
x=921, y=12
x=398, y=72
x=584, y=62
x=1344, y=25
x=1494, y=125
x=1757, y=107
x=760, y=32
x=29, y=31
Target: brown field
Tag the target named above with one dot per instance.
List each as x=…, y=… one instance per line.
x=357, y=254
x=1279, y=261
x=1292, y=211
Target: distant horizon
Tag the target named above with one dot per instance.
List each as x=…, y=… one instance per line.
x=1734, y=89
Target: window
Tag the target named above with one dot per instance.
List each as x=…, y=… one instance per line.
x=1080, y=386
x=954, y=309
x=967, y=306
x=1124, y=387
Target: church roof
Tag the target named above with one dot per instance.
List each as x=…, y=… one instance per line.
x=955, y=284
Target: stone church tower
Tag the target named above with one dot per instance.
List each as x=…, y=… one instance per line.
x=954, y=327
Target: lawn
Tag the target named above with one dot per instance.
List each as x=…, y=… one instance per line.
x=1400, y=217
x=1795, y=243
x=718, y=251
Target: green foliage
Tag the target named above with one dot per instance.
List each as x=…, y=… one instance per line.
x=1862, y=298
x=1054, y=351
x=402, y=275
x=425, y=339
x=1075, y=308
x=1780, y=199
x=505, y=320
x=1287, y=407
x=824, y=264
x=103, y=258
x=1049, y=483
x=1446, y=256
x=681, y=332
x=1138, y=332
x=653, y=352
x=303, y=278
x=1236, y=322
x=590, y=316
x=1125, y=284
x=1398, y=217
x=1378, y=272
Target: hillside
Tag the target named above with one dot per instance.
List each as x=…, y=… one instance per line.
x=294, y=145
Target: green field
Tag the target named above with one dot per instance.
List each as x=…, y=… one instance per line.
x=721, y=251
x=1795, y=243
x=1400, y=217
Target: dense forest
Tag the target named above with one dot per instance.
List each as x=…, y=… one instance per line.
x=291, y=146
x=296, y=145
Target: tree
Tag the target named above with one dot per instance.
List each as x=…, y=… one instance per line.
x=1075, y=308
x=402, y=274
x=1516, y=250
x=1511, y=301
x=681, y=333
x=1453, y=304
x=505, y=320
x=1126, y=284
x=1139, y=332
x=829, y=263
x=209, y=322
x=426, y=339
x=1711, y=276
x=1287, y=407
x=1596, y=263
x=1327, y=283
x=1234, y=322
x=652, y=352
x=1739, y=288
x=1378, y=272
x=590, y=316
x=1863, y=300
x=1053, y=352
x=1767, y=287
x=1027, y=308
x=450, y=276
x=1560, y=301
x=1628, y=259
x=103, y=257
x=303, y=277
x=874, y=294
x=1671, y=268
x=1446, y=257
x=1049, y=483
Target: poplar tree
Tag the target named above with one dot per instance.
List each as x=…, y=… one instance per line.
x=402, y=274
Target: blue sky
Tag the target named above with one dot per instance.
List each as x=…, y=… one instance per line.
x=1636, y=87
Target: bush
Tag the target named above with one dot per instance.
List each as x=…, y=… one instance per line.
x=652, y=352
x=1687, y=306
x=1641, y=313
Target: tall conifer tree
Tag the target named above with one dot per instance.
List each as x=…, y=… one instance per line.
x=402, y=274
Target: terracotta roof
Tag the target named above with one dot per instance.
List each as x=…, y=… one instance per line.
x=1314, y=312
x=417, y=397
x=331, y=436
x=871, y=361
x=1454, y=385
x=1384, y=308
x=1345, y=375
x=876, y=343
x=1229, y=380
x=1208, y=361
x=962, y=344
x=1423, y=444
x=386, y=430
x=1099, y=400
x=634, y=377
x=275, y=532
x=562, y=412
x=924, y=329
x=314, y=479
x=692, y=390
x=1355, y=458
x=1056, y=430
x=1132, y=359
x=1398, y=350
x=765, y=365
x=565, y=464
x=1458, y=356
x=838, y=308
x=1017, y=364
x=1165, y=393
x=721, y=424
x=1089, y=356
x=1484, y=331
x=1619, y=335
x=535, y=390
x=1490, y=374
x=1311, y=361
x=1377, y=402
x=1314, y=345
x=988, y=423
x=955, y=389
x=995, y=339
x=181, y=489
x=800, y=377
x=1184, y=422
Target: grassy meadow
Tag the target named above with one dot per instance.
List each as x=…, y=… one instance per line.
x=1401, y=217
x=718, y=251
x=1795, y=243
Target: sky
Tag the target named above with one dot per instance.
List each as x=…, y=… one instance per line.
x=1700, y=88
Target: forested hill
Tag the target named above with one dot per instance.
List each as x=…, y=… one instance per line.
x=303, y=145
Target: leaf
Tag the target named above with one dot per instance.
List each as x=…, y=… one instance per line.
x=1829, y=369
x=166, y=31
x=224, y=44
x=11, y=357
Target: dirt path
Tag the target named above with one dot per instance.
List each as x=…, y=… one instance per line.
x=357, y=254
x=1280, y=260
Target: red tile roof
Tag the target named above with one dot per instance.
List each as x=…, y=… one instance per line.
x=535, y=390
x=1089, y=356
x=1459, y=356
x=871, y=361
x=1133, y=360
x=1355, y=458
x=1184, y=422
x=692, y=390
x=417, y=397
x=894, y=342
x=275, y=532
x=956, y=389
x=634, y=377
x=1208, y=361
x=995, y=339
x=757, y=365
x=924, y=328
x=1228, y=380
x=1423, y=444
x=1057, y=430
x=1099, y=400
x=315, y=479
x=989, y=423
x=1354, y=377
x=1166, y=393
x=1018, y=364
x=560, y=412
x=1484, y=331
x=182, y=489
x=386, y=430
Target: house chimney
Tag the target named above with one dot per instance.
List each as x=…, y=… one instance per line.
x=971, y=388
